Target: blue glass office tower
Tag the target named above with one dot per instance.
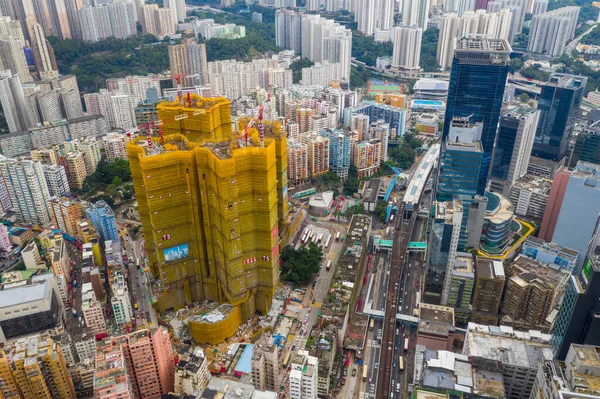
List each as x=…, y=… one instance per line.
x=460, y=174
x=477, y=82
x=559, y=105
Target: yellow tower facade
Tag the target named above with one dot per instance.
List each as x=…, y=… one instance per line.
x=211, y=207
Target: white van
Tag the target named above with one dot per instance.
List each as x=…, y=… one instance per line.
x=398, y=387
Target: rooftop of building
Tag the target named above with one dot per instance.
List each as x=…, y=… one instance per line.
x=499, y=209
x=535, y=184
x=517, y=348
x=431, y=85
x=322, y=200
x=483, y=44
x=586, y=169
x=530, y=270
x=372, y=190
x=463, y=264
x=489, y=268
x=190, y=359
x=565, y=80
x=541, y=162
x=219, y=313
x=25, y=291
x=445, y=209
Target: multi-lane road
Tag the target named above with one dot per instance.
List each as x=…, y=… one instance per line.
x=385, y=373
x=139, y=281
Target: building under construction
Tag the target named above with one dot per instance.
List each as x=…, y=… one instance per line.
x=212, y=205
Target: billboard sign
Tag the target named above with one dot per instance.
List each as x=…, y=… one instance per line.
x=176, y=253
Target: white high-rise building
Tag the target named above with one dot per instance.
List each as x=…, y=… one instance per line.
x=497, y=25
x=321, y=74
x=288, y=30
x=459, y=6
x=118, y=109
x=27, y=189
x=415, y=12
x=10, y=27
x=518, y=8
x=540, y=7
x=121, y=304
x=12, y=57
x=16, y=109
x=157, y=21
x=178, y=9
x=304, y=376
x=100, y=22
x=43, y=54
x=71, y=104
x=407, y=47
x=71, y=8
x=373, y=15
x=549, y=32
x=56, y=180
x=115, y=145
x=122, y=16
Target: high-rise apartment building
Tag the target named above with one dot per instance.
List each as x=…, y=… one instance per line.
x=365, y=156
x=489, y=285
x=27, y=189
x=43, y=54
x=373, y=15
x=265, y=364
x=191, y=371
x=571, y=214
x=12, y=57
x=15, y=108
x=71, y=104
x=120, y=302
x=298, y=171
x=103, y=219
x=75, y=166
x=101, y=21
x=559, y=106
x=488, y=344
x=90, y=148
x=66, y=214
x=551, y=30
x=577, y=321
x=495, y=25
x=11, y=27
x=92, y=310
x=407, y=47
x=339, y=151
x=115, y=145
x=113, y=377
x=518, y=10
x=533, y=290
x=188, y=63
x=177, y=7
x=157, y=21
x=39, y=369
x=288, y=30
x=304, y=376
x=318, y=153
x=415, y=12
x=190, y=254
x=119, y=109
x=56, y=180
x=460, y=289
x=539, y=7
x=478, y=61
x=513, y=148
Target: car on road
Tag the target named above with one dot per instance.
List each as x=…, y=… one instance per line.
x=313, y=301
x=354, y=372
x=309, y=309
x=370, y=380
x=293, y=347
x=376, y=366
x=404, y=335
x=406, y=308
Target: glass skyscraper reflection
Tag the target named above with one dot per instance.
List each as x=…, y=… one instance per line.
x=477, y=82
x=559, y=104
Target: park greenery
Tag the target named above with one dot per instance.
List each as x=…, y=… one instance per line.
x=592, y=38
x=587, y=12
x=351, y=183
x=366, y=49
x=404, y=155
x=429, y=50
x=93, y=63
x=111, y=177
x=297, y=66
x=381, y=211
x=299, y=265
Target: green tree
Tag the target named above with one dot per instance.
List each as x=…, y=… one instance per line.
x=297, y=66
x=351, y=183
x=429, y=50
x=299, y=265
x=381, y=210
x=524, y=97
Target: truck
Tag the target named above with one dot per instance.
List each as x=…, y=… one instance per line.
x=328, y=265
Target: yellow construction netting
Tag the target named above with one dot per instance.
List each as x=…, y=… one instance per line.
x=223, y=201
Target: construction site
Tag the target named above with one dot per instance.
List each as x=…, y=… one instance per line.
x=218, y=236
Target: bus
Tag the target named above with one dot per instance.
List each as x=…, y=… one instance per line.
x=365, y=371
x=405, y=344
x=328, y=265
x=286, y=359
x=320, y=237
x=337, y=236
x=348, y=358
x=310, y=234
x=328, y=241
x=417, y=299
x=392, y=218
x=371, y=323
x=401, y=364
x=303, y=240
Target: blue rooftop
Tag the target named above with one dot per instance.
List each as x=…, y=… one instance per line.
x=244, y=364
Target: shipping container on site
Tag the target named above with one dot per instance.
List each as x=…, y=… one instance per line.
x=211, y=207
